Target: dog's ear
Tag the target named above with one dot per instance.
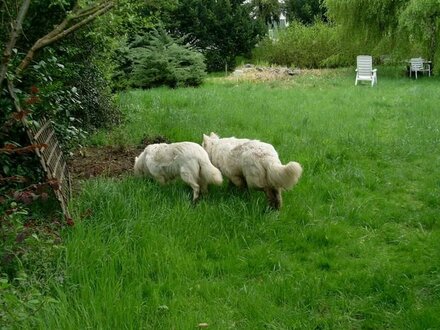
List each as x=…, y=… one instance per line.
x=213, y=135
x=205, y=138
x=136, y=159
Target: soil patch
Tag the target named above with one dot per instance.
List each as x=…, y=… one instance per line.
x=107, y=161
x=250, y=72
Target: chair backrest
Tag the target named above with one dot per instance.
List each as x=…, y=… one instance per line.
x=416, y=63
x=364, y=65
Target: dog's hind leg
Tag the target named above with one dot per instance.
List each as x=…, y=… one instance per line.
x=238, y=180
x=203, y=186
x=188, y=178
x=274, y=197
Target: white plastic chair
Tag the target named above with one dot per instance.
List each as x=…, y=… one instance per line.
x=417, y=65
x=364, y=70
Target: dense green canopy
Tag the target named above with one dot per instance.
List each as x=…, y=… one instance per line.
x=405, y=28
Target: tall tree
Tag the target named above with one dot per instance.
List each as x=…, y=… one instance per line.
x=77, y=17
x=267, y=11
x=221, y=29
x=18, y=53
x=419, y=23
x=305, y=11
x=407, y=27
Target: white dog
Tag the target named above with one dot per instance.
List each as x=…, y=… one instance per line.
x=165, y=162
x=252, y=163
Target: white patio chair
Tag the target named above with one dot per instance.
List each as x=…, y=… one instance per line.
x=364, y=70
x=418, y=65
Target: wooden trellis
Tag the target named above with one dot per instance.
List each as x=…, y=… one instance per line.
x=52, y=160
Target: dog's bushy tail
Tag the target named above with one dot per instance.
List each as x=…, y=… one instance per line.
x=284, y=176
x=210, y=173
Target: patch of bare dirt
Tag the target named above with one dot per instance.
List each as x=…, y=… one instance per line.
x=250, y=72
x=255, y=73
x=107, y=161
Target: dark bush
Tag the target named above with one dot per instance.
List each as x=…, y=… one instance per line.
x=158, y=59
x=72, y=92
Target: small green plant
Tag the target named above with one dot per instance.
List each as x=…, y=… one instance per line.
x=20, y=301
x=28, y=251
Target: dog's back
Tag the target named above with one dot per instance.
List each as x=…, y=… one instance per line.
x=262, y=167
x=255, y=161
x=186, y=160
x=206, y=171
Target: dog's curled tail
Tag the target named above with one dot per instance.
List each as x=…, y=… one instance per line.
x=210, y=173
x=284, y=176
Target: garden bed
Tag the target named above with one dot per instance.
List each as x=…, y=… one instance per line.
x=107, y=161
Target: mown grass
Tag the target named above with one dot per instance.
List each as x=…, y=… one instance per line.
x=356, y=245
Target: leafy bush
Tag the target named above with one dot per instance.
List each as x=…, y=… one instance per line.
x=27, y=261
x=20, y=302
x=158, y=59
x=73, y=94
x=304, y=46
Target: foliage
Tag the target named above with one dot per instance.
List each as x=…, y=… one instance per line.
x=403, y=28
x=73, y=102
x=305, y=11
x=221, y=29
x=42, y=16
x=268, y=11
x=369, y=20
x=419, y=25
x=20, y=301
x=29, y=246
x=27, y=259
x=20, y=166
x=304, y=46
x=158, y=59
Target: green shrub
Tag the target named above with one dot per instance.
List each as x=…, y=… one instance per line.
x=158, y=59
x=304, y=46
x=29, y=249
x=72, y=92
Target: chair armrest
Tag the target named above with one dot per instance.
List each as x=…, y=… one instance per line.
x=374, y=70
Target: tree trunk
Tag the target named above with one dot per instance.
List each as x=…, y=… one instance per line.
x=16, y=30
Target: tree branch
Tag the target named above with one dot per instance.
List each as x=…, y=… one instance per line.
x=16, y=30
x=13, y=95
x=61, y=31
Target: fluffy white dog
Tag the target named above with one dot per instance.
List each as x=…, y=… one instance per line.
x=165, y=162
x=252, y=163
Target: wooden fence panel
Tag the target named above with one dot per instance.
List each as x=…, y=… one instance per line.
x=53, y=161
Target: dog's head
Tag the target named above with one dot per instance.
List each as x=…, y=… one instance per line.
x=208, y=141
x=137, y=166
x=213, y=136
x=140, y=164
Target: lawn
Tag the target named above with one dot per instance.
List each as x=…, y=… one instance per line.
x=356, y=244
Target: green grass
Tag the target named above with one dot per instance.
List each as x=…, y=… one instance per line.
x=356, y=245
